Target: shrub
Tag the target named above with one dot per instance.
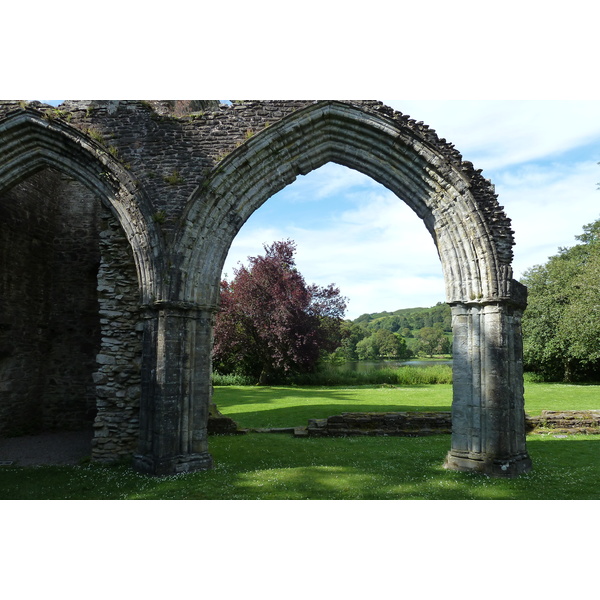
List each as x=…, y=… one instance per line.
x=407, y=375
x=232, y=379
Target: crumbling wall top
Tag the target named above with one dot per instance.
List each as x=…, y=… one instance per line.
x=172, y=145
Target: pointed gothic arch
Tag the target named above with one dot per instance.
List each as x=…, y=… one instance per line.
x=30, y=143
x=475, y=251
x=179, y=264
x=460, y=210
x=35, y=150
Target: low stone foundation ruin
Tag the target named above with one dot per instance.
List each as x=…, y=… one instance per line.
x=566, y=421
x=409, y=424
x=416, y=424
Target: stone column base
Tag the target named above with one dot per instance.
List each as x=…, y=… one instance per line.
x=188, y=463
x=510, y=467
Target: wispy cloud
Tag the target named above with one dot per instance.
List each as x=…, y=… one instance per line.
x=494, y=134
x=548, y=204
x=369, y=243
x=353, y=232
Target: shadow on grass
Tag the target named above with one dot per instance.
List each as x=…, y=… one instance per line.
x=231, y=395
x=282, y=467
x=293, y=407
x=277, y=466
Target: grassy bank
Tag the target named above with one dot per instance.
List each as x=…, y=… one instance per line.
x=329, y=375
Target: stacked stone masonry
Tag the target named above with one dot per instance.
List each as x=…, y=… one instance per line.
x=416, y=424
x=48, y=338
x=171, y=155
x=119, y=360
x=406, y=424
x=116, y=220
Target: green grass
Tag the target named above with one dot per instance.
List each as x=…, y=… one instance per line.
x=279, y=466
x=560, y=396
x=293, y=406
x=252, y=406
x=329, y=375
x=407, y=375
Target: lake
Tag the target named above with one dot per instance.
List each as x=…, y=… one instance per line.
x=363, y=366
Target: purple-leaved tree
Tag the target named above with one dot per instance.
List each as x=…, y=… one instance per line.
x=273, y=325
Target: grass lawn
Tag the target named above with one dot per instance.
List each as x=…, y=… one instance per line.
x=293, y=406
x=560, y=396
x=278, y=466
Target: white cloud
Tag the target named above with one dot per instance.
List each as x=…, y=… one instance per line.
x=353, y=232
x=498, y=133
x=330, y=180
x=548, y=205
x=377, y=251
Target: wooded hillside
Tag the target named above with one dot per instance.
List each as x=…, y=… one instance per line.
x=404, y=333
x=410, y=319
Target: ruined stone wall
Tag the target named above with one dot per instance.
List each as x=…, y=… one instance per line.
x=70, y=336
x=69, y=395
x=24, y=246
x=408, y=424
x=118, y=371
x=49, y=330
x=182, y=177
x=170, y=146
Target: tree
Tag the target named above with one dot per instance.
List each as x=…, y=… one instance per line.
x=390, y=345
x=352, y=334
x=272, y=324
x=561, y=326
x=381, y=345
x=367, y=349
x=432, y=340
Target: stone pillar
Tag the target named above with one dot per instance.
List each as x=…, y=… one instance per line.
x=176, y=390
x=488, y=413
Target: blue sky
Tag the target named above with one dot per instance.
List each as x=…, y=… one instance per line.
x=542, y=156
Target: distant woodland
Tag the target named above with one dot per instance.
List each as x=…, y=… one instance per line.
x=404, y=333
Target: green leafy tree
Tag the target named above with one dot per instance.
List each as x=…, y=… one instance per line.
x=382, y=344
x=390, y=345
x=367, y=349
x=561, y=326
x=352, y=334
x=432, y=340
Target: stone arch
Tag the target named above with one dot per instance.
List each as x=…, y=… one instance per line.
x=33, y=146
x=457, y=205
x=30, y=142
x=395, y=154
